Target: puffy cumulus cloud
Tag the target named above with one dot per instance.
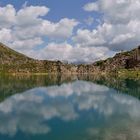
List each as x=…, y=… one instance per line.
x=91, y=7
x=27, y=44
x=7, y=16
x=27, y=27
x=63, y=29
x=24, y=17
x=119, y=31
x=5, y=35
x=123, y=10
x=30, y=15
x=86, y=38
x=44, y=28
x=67, y=52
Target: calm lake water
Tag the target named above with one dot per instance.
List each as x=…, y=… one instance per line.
x=69, y=108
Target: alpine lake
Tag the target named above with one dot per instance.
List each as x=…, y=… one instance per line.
x=69, y=107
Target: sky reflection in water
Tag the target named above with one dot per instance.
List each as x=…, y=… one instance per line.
x=71, y=109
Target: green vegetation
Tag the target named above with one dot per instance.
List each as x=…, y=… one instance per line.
x=129, y=73
x=125, y=64
x=100, y=63
x=14, y=62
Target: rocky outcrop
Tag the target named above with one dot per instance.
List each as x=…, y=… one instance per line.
x=123, y=60
x=14, y=62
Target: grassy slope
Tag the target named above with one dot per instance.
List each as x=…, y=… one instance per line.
x=14, y=62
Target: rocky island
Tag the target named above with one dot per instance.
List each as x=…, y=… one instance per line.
x=14, y=62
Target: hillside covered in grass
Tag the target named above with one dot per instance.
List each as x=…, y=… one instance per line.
x=123, y=63
x=14, y=62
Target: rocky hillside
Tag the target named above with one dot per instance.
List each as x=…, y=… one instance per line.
x=124, y=60
x=14, y=62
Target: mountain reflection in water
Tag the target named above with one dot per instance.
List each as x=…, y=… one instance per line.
x=71, y=108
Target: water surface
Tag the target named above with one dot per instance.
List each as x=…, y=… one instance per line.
x=69, y=108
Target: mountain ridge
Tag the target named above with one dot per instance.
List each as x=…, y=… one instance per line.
x=14, y=62
x=129, y=60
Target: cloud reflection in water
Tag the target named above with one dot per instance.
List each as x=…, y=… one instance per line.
x=31, y=111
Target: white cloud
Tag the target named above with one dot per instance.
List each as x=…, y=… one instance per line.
x=26, y=28
x=88, y=38
x=122, y=38
x=29, y=16
x=92, y=6
x=120, y=11
x=27, y=44
x=67, y=52
x=7, y=16
x=5, y=35
x=120, y=29
x=63, y=29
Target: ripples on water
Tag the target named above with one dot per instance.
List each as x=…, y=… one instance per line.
x=69, y=108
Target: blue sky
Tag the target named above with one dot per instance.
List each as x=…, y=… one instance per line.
x=60, y=9
x=74, y=31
